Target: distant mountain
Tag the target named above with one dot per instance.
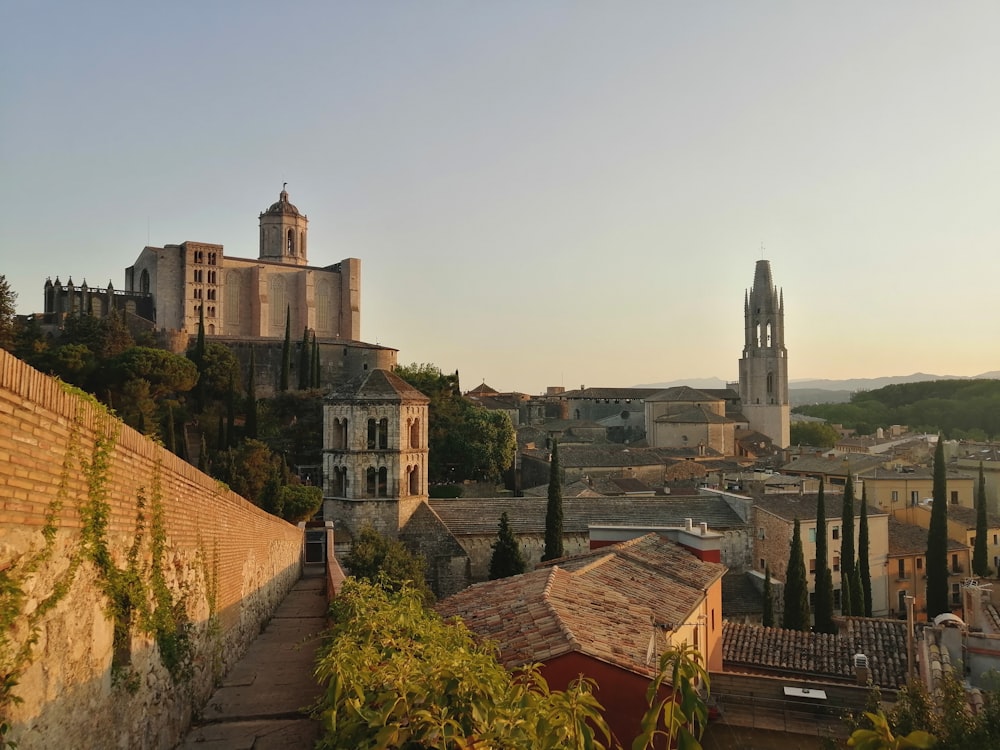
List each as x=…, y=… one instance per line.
x=831, y=391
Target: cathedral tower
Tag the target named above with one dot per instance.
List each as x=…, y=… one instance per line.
x=283, y=232
x=764, y=366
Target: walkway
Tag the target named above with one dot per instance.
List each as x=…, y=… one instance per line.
x=260, y=703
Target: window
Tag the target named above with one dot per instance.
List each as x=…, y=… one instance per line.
x=920, y=563
x=370, y=482
x=956, y=594
x=812, y=535
x=994, y=537
x=760, y=533
x=954, y=497
x=762, y=563
x=895, y=495
x=955, y=567
x=836, y=563
x=372, y=430
x=914, y=497
x=812, y=566
x=836, y=532
x=901, y=564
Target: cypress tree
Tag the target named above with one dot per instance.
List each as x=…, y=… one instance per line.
x=937, y=540
x=315, y=363
x=230, y=412
x=847, y=548
x=857, y=593
x=220, y=437
x=286, y=351
x=824, y=578
x=796, y=614
x=554, y=511
x=199, y=361
x=506, y=559
x=768, y=598
x=305, y=366
x=250, y=430
x=980, y=559
x=863, y=554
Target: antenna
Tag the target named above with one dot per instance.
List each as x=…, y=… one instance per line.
x=762, y=251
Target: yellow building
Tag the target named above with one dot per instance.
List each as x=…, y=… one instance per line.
x=894, y=489
x=907, y=568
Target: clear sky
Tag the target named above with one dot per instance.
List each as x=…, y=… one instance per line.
x=541, y=193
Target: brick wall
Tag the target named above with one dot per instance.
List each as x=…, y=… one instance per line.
x=226, y=563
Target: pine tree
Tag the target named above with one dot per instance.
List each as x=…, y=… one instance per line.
x=507, y=559
x=937, y=540
x=847, y=549
x=980, y=559
x=796, y=614
x=554, y=511
x=250, y=430
x=863, y=554
x=286, y=351
x=824, y=578
x=768, y=621
x=305, y=366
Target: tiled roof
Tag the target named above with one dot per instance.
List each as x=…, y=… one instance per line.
x=793, y=505
x=918, y=472
x=377, y=385
x=601, y=604
x=479, y=516
x=740, y=597
x=612, y=454
x=837, y=466
x=774, y=650
x=910, y=539
x=967, y=517
x=579, y=488
x=682, y=393
x=483, y=390
x=698, y=415
x=610, y=393
x=727, y=394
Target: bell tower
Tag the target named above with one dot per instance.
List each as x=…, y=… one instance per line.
x=764, y=365
x=283, y=232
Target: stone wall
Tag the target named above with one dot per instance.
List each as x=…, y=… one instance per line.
x=117, y=558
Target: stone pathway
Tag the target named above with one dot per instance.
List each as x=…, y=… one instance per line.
x=260, y=703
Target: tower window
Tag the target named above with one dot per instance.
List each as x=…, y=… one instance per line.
x=291, y=242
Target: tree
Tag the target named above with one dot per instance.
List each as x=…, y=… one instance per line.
x=554, y=510
x=298, y=502
x=980, y=559
x=847, y=556
x=857, y=593
x=8, y=310
x=937, y=539
x=230, y=413
x=768, y=621
x=315, y=363
x=252, y=470
x=818, y=434
x=199, y=361
x=678, y=715
x=286, y=351
x=864, y=551
x=395, y=675
x=166, y=373
x=250, y=429
x=305, y=365
x=387, y=563
x=506, y=559
x=796, y=614
x=824, y=578
x=219, y=368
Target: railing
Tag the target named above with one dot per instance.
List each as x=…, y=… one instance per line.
x=798, y=717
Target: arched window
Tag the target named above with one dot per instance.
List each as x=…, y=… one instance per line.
x=383, y=482
x=768, y=333
x=338, y=436
x=383, y=434
x=144, y=281
x=415, y=433
x=371, y=434
x=370, y=477
x=414, y=476
x=756, y=334
x=339, y=481
x=291, y=242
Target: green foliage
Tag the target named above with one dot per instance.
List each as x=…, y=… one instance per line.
x=937, y=540
x=465, y=440
x=396, y=676
x=166, y=373
x=445, y=490
x=882, y=738
x=554, y=509
x=506, y=559
x=251, y=420
x=298, y=502
x=387, y=562
x=305, y=362
x=8, y=309
x=220, y=371
x=316, y=364
x=796, y=614
x=252, y=470
x=286, y=351
x=818, y=434
x=980, y=557
x=768, y=621
x=678, y=711
x=864, y=550
x=824, y=577
x=847, y=556
x=956, y=408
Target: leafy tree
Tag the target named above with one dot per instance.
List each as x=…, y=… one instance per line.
x=506, y=559
x=298, y=502
x=286, y=351
x=554, y=509
x=864, y=552
x=219, y=370
x=847, y=556
x=819, y=434
x=305, y=365
x=166, y=373
x=252, y=470
x=396, y=676
x=388, y=563
x=8, y=311
x=465, y=441
x=768, y=621
x=796, y=614
x=980, y=558
x=880, y=736
x=250, y=428
x=824, y=578
x=937, y=540
x=676, y=717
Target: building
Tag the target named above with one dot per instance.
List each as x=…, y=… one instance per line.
x=683, y=417
x=606, y=614
x=764, y=365
x=893, y=489
x=907, y=570
x=774, y=518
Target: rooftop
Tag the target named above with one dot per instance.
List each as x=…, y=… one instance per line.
x=803, y=506
x=909, y=539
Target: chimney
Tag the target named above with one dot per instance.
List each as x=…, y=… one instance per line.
x=861, y=670
x=689, y=523
x=704, y=528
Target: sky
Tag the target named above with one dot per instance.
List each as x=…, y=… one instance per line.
x=541, y=193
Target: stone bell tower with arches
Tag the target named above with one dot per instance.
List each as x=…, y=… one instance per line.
x=764, y=365
x=283, y=232
x=374, y=453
